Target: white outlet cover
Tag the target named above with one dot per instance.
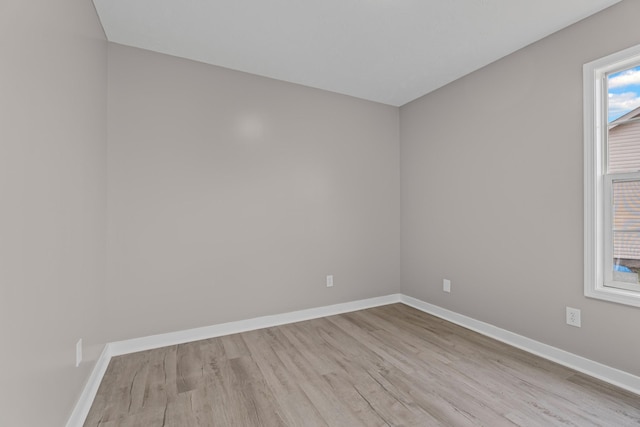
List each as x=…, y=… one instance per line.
x=446, y=285
x=573, y=317
x=329, y=281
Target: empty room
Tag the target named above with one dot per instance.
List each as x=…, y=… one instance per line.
x=321, y=213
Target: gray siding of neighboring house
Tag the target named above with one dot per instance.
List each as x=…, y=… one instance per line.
x=624, y=156
x=624, y=147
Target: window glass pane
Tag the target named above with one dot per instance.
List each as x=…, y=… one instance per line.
x=626, y=231
x=623, y=115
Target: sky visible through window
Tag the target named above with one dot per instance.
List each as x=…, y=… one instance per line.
x=624, y=92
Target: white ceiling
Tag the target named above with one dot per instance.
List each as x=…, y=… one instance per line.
x=389, y=51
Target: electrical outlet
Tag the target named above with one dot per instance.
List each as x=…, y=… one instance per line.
x=573, y=317
x=78, y=352
x=329, y=281
x=446, y=285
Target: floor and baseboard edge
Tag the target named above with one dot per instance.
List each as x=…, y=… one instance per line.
x=608, y=374
x=605, y=373
x=118, y=348
x=83, y=405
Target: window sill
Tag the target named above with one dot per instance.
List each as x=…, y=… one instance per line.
x=620, y=296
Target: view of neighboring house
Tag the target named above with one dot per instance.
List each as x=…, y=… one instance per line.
x=624, y=156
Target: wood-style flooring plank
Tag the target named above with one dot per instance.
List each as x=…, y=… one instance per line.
x=385, y=366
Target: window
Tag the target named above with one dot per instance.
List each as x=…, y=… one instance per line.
x=612, y=177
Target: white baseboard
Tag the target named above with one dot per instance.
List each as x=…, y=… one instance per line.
x=81, y=410
x=606, y=373
x=180, y=337
x=613, y=376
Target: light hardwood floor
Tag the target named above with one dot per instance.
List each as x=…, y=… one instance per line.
x=385, y=366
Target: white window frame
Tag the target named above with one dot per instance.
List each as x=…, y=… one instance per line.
x=598, y=224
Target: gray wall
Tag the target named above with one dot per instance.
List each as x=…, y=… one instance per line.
x=492, y=194
x=233, y=196
x=53, y=58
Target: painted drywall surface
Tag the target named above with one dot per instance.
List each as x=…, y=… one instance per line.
x=491, y=170
x=52, y=204
x=232, y=196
